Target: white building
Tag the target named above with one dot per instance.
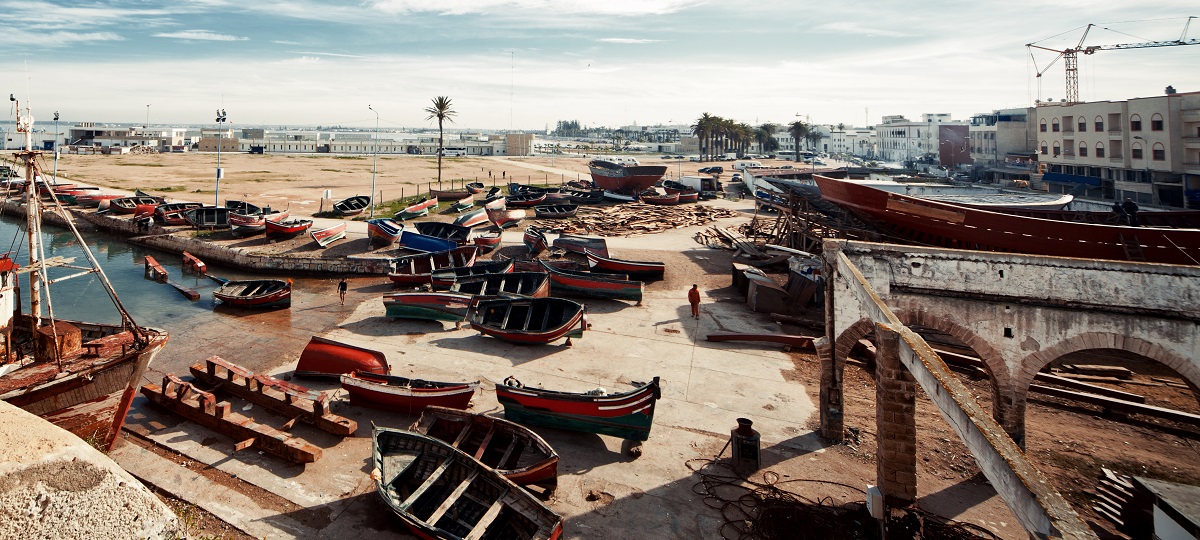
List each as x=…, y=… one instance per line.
x=857, y=141
x=1004, y=144
x=901, y=139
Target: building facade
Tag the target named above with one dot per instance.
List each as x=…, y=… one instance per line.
x=1144, y=149
x=1004, y=144
x=904, y=140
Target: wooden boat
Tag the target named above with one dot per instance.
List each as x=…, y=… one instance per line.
x=463, y=203
x=92, y=201
x=572, y=283
x=246, y=225
x=581, y=244
x=623, y=178
x=642, y=269
x=244, y=208
x=525, y=201
x=556, y=211
x=423, y=242
x=557, y=197
x=497, y=203
x=512, y=450
x=505, y=218
x=595, y=196
x=418, y=269
x=172, y=213
x=661, y=200
x=1177, y=219
x=428, y=306
x=618, y=197
x=523, y=284
x=448, y=194
x=689, y=196
x=80, y=376
x=287, y=229
x=628, y=415
x=403, y=395
x=953, y=226
x=475, y=188
x=329, y=235
x=255, y=293
x=352, y=206
x=442, y=493
x=472, y=218
x=488, y=241
x=529, y=320
x=443, y=279
x=208, y=217
x=417, y=209
x=326, y=358
x=127, y=205
x=384, y=231
x=144, y=211
x=671, y=186
x=535, y=240
x=455, y=233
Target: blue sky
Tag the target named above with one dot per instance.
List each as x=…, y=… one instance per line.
x=529, y=63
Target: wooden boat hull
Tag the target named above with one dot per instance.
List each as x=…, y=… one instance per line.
x=523, y=284
x=556, y=211
x=423, y=242
x=525, y=201
x=475, y=188
x=406, y=465
x=449, y=194
x=647, y=269
x=128, y=205
x=288, y=229
x=959, y=227
x=255, y=293
x=384, y=231
x=661, y=200
x=463, y=203
x=352, y=206
x=506, y=218
x=329, y=235
x=529, y=321
x=582, y=244
x=172, y=213
x=570, y=283
x=208, y=217
x=487, y=242
x=591, y=197
x=624, y=179
x=418, y=269
x=628, y=415
x=406, y=215
x=688, y=197
x=455, y=233
x=404, y=395
x=427, y=306
x=535, y=240
x=512, y=450
x=472, y=219
x=331, y=359
x=445, y=278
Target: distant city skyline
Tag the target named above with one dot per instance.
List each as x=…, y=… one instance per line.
x=527, y=64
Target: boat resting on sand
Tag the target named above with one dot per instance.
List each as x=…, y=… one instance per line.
x=582, y=244
x=328, y=235
x=417, y=209
x=592, y=285
x=512, y=450
x=661, y=200
x=530, y=320
x=448, y=194
x=475, y=188
x=455, y=233
x=428, y=306
x=208, y=217
x=520, y=284
x=527, y=200
x=287, y=229
x=488, y=241
x=443, y=279
x=535, y=240
x=172, y=213
x=442, y=493
x=506, y=218
x=419, y=269
x=255, y=293
x=352, y=206
x=384, y=231
x=626, y=179
x=404, y=395
x=423, y=242
x=628, y=415
x=471, y=219
x=556, y=211
x=331, y=359
x=463, y=203
x=646, y=269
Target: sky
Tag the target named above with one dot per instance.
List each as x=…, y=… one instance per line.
x=527, y=64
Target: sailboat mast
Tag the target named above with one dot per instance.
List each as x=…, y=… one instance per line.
x=33, y=218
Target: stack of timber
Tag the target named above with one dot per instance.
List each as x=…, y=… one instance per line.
x=1114, y=498
x=635, y=219
x=727, y=238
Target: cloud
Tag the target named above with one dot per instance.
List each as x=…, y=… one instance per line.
x=628, y=40
x=285, y=42
x=302, y=60
x=855, y=28
x=312, y=53
x=59, y=39
x=200, y=35
x=630, y=8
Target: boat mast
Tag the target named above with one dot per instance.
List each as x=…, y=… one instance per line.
x=33, y=217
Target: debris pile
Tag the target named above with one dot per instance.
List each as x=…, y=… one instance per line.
x=635, y=219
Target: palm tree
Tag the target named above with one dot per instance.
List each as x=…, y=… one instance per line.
x=702, y=129
x=799, y=131
x=765, y=135
x=442, y=111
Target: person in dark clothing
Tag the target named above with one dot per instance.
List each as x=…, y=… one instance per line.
x=342, y=291
x=1120, y=212
x=1131, y=210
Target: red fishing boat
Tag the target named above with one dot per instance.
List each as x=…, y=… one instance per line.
x=535, y=240
x=472, y=218
x=488, y=241
x=625, y=179
x=251, y=224
x=173, y=213
x=441, y=493
x=418, y=269
x=417, y=209
x=428, y=306
x=646, y=269
x=128, y=205
x=443, y=279
x=328, y=358
x=526, y=284
x=661, y=200
x=628, y=415
x=498, y=203
x=581, y=244
x=403, y=395
x=530, y=320
x=505, y=218
x=525, y=201
x=384, y=231
x=959, y=227
x=255, y=293
x=287, y=229
x=689, y=196
x=329, y=235
x=475, y=188
x=512, y=450
x=572, y=283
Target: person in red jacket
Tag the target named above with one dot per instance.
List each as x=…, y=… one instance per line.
x=694, y=300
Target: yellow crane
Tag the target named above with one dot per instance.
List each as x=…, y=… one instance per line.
x=1070, y=57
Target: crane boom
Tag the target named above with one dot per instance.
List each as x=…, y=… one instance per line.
x=1070, y=56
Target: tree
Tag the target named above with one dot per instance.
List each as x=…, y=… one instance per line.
x=703, y=130
x=442, y=111
x=765, y=135
x=799, y=132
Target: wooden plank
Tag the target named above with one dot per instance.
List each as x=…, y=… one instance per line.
x=1094, y=389
x=281, y=397
x=508, y=451
x=486, y=520
x=428, y=483
x=487, y=439
x=451, y=499
x=1119, y=405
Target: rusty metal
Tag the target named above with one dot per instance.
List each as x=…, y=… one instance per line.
x=281, y=397
x=202, y=408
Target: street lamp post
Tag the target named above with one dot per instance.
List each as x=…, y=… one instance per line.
x=374, y=160
x=54, y=178
x=220, y=127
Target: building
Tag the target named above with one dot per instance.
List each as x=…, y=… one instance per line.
x=88, y=134
x=1145, y=149
x=912, y=142
x=857, y=141
x=1004, y=144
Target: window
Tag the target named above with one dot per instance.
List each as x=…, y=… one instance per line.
x=1135, y=123
x=1082, y=125
x=1099, y=150
x=1044, y=148
x=1057, y=149
x=1082, y=149
x=1042, y=127
x=1156, y=122
x=1099, y=124
x=1159, y=153
x=1135, y=152
x=1054, y=126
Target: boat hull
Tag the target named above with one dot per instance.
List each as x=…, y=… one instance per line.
x=533, y=462
x=505, y=218
x=428, y=306
x=472, y=219
x=582, y=244
x=535, y=240
x=329, y=235
x=352, y=206
x=423, y=242
x=628, y=415
x=332, y=359
x=405, y=396
x=255, y=293
x=503, y=319
x=622, y=179
x=287, y=229
x=383, y=231
x=647, y=269
x=586, y=284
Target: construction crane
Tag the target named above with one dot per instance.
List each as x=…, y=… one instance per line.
x=1070, y=56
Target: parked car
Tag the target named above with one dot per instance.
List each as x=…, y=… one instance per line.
x=715, y=169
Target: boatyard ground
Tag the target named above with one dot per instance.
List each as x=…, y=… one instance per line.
x=603, y=492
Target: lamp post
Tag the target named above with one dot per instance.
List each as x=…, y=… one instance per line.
x=220, y=127
x=374, y=160
x=54, y=178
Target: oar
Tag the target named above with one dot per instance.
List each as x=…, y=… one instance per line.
x=219, y=280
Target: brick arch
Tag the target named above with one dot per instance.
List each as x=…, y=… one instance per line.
x=1032, y=364
x=845, y=341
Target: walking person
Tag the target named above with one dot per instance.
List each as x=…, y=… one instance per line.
x=694, y=300
x=1131, y=210
x=342, y=291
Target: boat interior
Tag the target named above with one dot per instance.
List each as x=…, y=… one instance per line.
x=527, y=315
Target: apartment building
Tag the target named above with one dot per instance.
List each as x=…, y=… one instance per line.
x=901, y=139
x=857, y=141
x=1004, y=144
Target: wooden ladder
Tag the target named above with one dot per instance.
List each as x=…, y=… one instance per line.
x=1133, y=248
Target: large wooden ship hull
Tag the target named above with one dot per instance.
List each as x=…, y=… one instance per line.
x=947, y=225
x=625, y=179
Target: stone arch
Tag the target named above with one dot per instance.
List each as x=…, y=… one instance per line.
x=1034, y=362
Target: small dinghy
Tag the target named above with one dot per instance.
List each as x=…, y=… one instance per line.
x=513, y=450
x=403, y=395
x=530, y=320
x=352, y=206
x=255, y=293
